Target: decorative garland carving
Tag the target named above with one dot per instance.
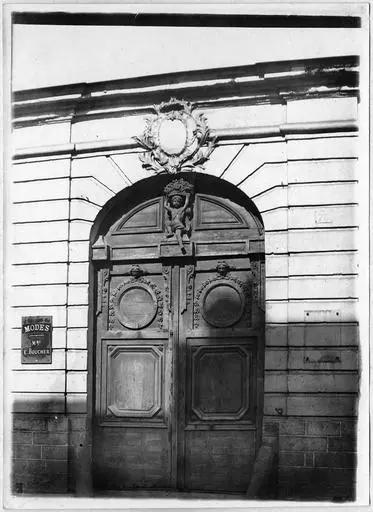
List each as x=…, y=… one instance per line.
x=175, y=118
x=257, y=268
x=189, y=273
x=105, y=285
x=245, y=287
x=166, y=271
x=136, y=280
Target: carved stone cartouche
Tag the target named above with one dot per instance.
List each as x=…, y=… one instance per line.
x=176, y=139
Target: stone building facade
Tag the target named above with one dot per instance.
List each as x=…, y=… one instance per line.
x=285, y=141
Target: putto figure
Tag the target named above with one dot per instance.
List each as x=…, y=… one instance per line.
x=178, y=206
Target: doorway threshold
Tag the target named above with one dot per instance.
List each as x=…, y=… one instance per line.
x=170, y=494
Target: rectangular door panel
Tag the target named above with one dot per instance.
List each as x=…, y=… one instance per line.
x=219, y=460
x=132, y=421
x=220, y=381
x=132, y=380
x=129, y=458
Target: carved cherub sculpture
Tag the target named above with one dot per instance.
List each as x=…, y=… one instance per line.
x=178, y=210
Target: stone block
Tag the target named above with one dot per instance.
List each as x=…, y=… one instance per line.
x=39, y=402
x=101, y=168
x=275, y=359
x=321, y=110
x=322, y=404
x=58, y=360
x=78, y=272
x=269, y=199
x=53, y=231
x=40, y=211
x=76, y=382
x=275, y=404
x=326, y=334
x=27, y=452
x=54, y=452
x=53, y=252
x=46, y=134
x=55, y=273
x=309, y=459
x=320, y=310
x=275, y=382
x=344, y=239
x=80, y=229
x=322, y=216
x=291, y=458
x=221, y=157
x=76, y=402
x=275, y=219
x=78, y=251
x=77, y=338
x=90, y=189
x=44, y=169
x=263, y=170
x=276, y=335
x=314, y=484
x=296, y=443
x=81, y=208
x=270, y=427
x=292, y=426
x=57, y=423
x=323, y=428
x=332, y=358
x=42, y=190
x=77, y=423
x=320, y=148
x=35, y=295
x=77, y=359
x=78, y=294
x=335, y=460
x=323, y=382
x=348, y=427
x=131, y=166
x=303, y=194
x=319, y=287
x=342, y=444
x=337, y=169
x=77, y=316
x=38, y=382
x=50, y=438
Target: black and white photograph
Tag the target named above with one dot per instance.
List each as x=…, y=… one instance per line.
x=186, y=255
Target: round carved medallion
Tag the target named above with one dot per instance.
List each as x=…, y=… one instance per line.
x=223, y=304
x=136, y=306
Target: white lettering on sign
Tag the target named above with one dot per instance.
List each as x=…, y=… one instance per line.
x=36, y=352
x=36, y=327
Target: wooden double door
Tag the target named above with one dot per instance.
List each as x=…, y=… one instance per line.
x=178, y=354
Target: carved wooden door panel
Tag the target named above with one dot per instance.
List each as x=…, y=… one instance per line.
x=218, y=367
x=133, y=361
x=178, y=355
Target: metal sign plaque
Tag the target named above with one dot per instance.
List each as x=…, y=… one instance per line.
x=36, y=339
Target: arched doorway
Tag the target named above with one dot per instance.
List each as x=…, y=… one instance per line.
x=178, y=270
